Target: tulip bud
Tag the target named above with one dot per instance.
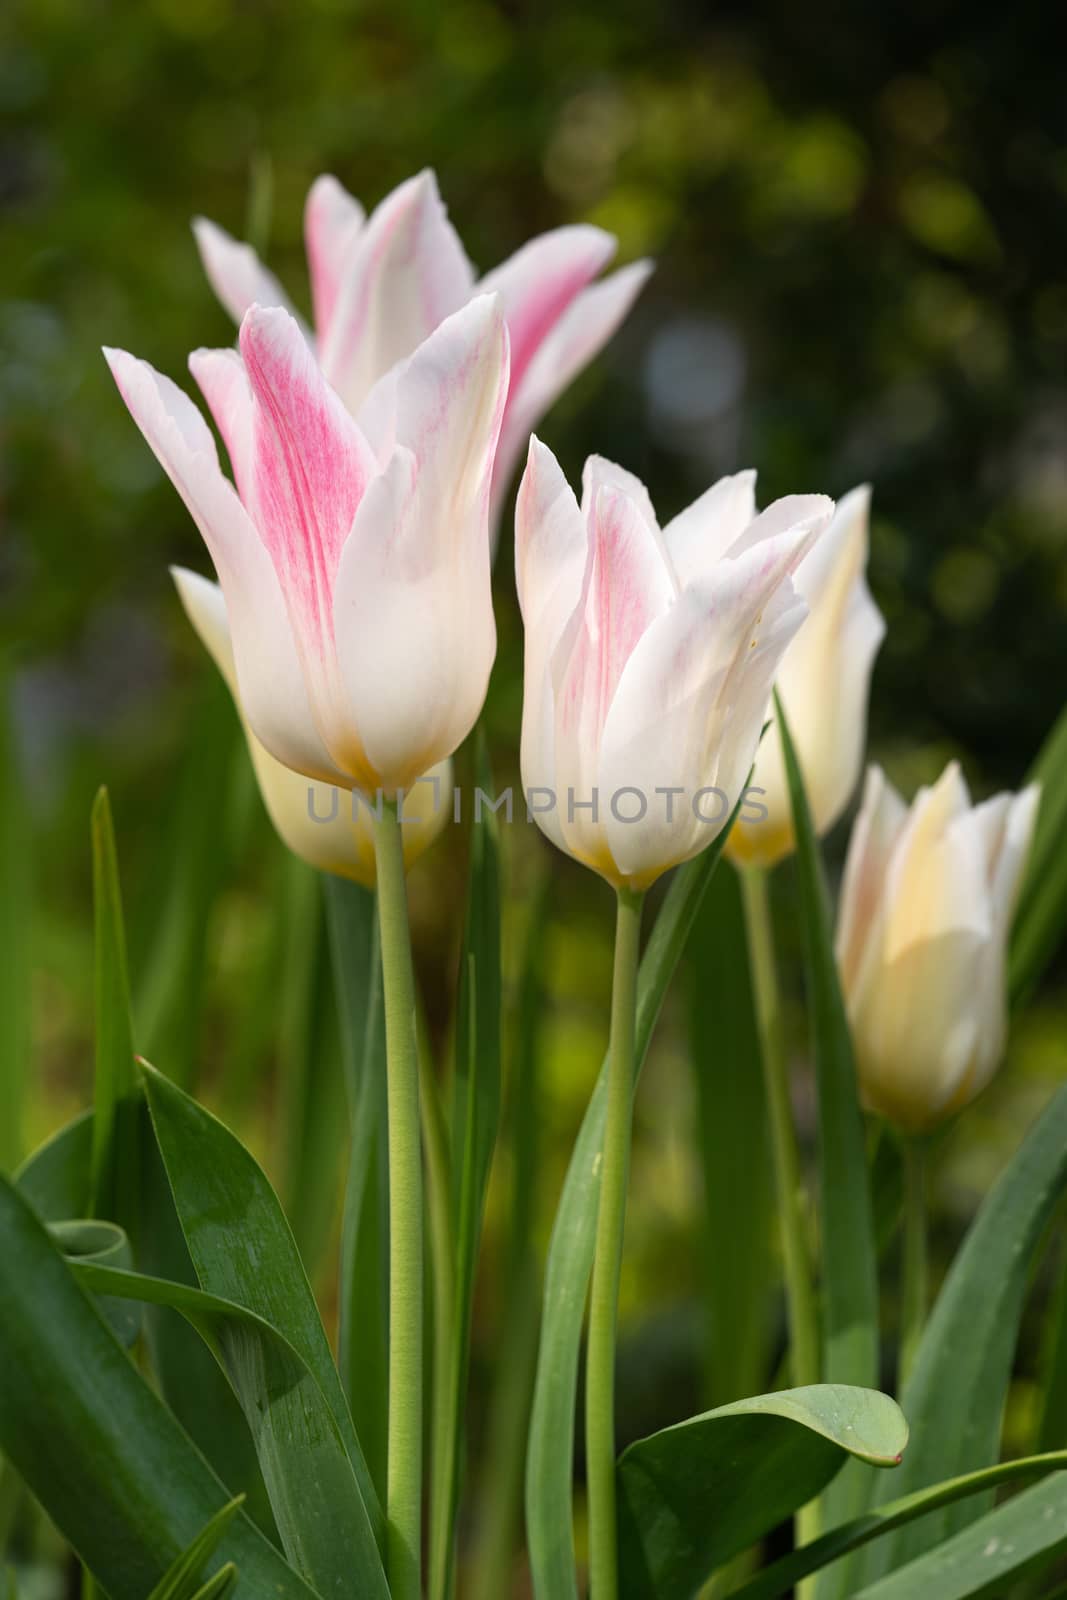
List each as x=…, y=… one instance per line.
x=926, y=909
x=650, y=656
x=353, y=553
x=823, y=682
x=330, y=828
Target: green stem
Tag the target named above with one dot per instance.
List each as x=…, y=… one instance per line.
x=800, y=1294
x=604, y=1295
x=913, y=1295
x=404, y=1470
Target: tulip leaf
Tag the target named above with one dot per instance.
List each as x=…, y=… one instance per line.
x=363, y=1331
x=243, y=1251
x=781, y=1577
x=55, y=1179
x=116, y=1154
x=1017, y=1540
x=1041, y=912
x=849, y=1260
x=103, y=1244
x=181, y=1580
x=693, y=1496
x=94, y=1443
x=731, y=1129
x=221, y=1585
x=313, y=1119
x=550, y=1449
x=475, y=1122
x=954, y=1398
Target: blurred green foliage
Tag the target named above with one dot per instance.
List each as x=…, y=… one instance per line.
x=860, y=221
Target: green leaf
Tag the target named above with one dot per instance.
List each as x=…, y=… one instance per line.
x=1052, y=1427
x=1041, y=911
x=243, y=1251
x=363, y=1332
x=781, y=1577
x=955, y=1397
x=16, y=933
x=180, y=1580
x=1017, y=1539
x=475, y=1122
x=103, y=1244
x=220, y=1585
x=57, y=1177
x=115, y=1164
x=499, y=1505
x=550, y=1451
x=94, y=1444
x=313, y=1120
x=731, y=1132
x=849, y=1260
x=695, y=1495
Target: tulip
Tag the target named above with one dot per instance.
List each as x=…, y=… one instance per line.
x=380, y=285
x=353, y=554
x=823, y=683
x=329, y=830
x=650, y=657
x=926, y=909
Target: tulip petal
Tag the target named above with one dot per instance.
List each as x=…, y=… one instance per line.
x=823, y=684
x=333, y=221
x=236, y=274
x=702, y=534
x=599, y=473
x=406, y=273
x=550, y=553
x=689, y=709
x=310, y=468
x=627, y=584
x=412, y=606
x=539, y=282
x=268, y=668
x=878, y=825
x=577, y=337
x=223, y=382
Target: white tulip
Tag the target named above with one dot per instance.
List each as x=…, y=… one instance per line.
x=823, y=683
x=925, y=914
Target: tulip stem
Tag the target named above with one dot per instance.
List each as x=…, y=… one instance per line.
x=404, y=1461
x=611, y=1215
x=799, y=1289
x=913, y=1289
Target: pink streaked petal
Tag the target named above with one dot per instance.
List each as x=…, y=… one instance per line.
x=406, y=273
x=600, y=473
x=626, y=586
x=268, y=670
x=538, y=283
x=578, y=336
x=236, y=273
x=223, y=382
x=333, y=220
x=310, y=467
x=550, y=544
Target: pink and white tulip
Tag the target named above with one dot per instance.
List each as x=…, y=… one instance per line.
x=823, y=683
x=353, y=553
x=330, y=830
x=650, y=656
x=926, y=909
x=381, y=284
